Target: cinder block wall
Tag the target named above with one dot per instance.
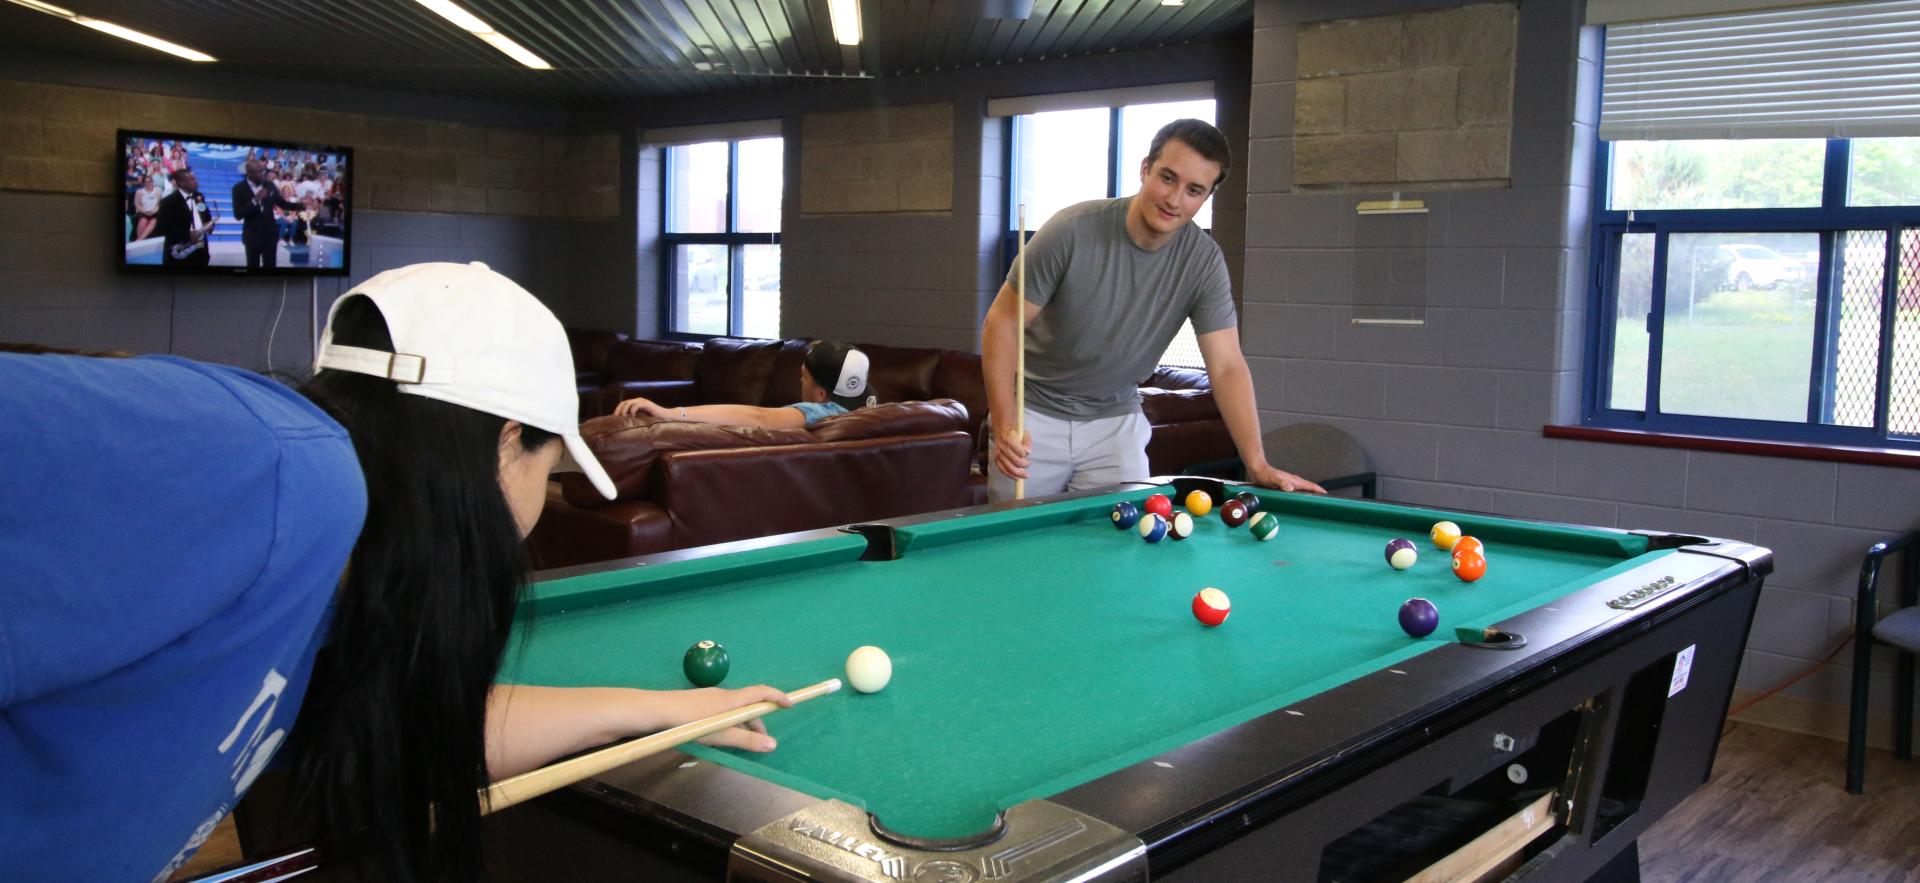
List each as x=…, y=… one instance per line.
x=1451, y=411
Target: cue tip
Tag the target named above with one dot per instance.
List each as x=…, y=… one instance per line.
x=833, y=685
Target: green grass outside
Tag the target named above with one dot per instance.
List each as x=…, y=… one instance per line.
x=1745, y=354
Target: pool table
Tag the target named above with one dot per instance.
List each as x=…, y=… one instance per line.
x=1056, y=712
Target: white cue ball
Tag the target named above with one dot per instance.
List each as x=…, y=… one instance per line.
x=869, y=669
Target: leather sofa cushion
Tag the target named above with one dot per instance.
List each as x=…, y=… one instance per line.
x=893, y=418
x=628, y=448
x=734, y=371
x=590, y=348
x=783, y=379
x=653, y=360
x=1163, y=406
x=1168, y=377
x=901, y=374
x=958, y=377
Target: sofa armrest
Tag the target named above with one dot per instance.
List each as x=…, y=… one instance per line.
x=714, y=496
x=567, y=534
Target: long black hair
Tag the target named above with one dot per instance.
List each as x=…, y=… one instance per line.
x=393, y=727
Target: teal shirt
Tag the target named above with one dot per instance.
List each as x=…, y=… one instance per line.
x=818, y=411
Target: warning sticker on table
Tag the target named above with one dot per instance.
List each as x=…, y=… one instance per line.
x=1682, y=669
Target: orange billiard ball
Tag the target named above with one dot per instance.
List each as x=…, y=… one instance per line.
x=1469, y=565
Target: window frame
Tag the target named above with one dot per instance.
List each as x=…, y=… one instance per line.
x=671, y=321
x=1830, y=221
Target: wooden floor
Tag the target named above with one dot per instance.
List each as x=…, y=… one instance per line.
x=1774, y=811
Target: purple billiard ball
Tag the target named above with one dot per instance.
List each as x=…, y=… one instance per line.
x=1402, y=554
x=1418, y=617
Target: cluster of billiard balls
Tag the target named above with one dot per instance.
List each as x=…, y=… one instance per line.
x=1418, y=616
x=1159, y=522
x=706, y=665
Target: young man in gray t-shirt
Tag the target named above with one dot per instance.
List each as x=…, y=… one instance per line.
x=1110, y=283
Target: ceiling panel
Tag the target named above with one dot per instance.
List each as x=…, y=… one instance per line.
x=614, y=51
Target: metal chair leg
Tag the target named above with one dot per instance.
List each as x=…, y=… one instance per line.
x=1857, y=711
x=1903, y=709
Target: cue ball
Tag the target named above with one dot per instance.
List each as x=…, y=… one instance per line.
x=869, y=669
x=1264, y=526
x=1158, y=504
x=1199, y=504
x=1181, y=526
x=1211, y=607
x=1152, y=528
x=1419, y=617
x=706, y=663
x=1469, y=565
x=1444, y=534
x=1250, y=500
x=1233, y=513
x=1125, y=515
x=1401, y=553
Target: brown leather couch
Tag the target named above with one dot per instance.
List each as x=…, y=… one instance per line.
x=1178, y=402
x=689, y=484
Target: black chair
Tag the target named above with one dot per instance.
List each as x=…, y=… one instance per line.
x=1900, y=630
x=1324, y=454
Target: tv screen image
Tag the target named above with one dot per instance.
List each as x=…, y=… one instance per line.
x=199, y=204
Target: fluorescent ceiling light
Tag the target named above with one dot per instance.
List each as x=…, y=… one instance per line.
x=514, y=50
x=846, y=21
x=124, y=33
x=1173, y=2
x=474, y=25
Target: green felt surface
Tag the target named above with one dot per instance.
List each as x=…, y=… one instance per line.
x=1039, y=648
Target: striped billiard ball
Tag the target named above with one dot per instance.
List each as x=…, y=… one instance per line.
x=1152, y=528
x=1401, y=553
x=1264, y=526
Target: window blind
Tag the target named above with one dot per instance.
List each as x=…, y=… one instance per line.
x=1835, y=71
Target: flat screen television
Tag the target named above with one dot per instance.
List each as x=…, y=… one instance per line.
x=215, y=205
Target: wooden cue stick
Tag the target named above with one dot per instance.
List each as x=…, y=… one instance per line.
x=553, y=777
x=1020, y=353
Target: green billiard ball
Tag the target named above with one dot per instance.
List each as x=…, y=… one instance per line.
x=706, y=664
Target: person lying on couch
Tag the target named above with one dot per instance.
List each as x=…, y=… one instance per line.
x=833, y=380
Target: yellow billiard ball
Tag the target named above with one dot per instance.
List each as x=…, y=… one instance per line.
x=1199, y=504
x=1445, y=534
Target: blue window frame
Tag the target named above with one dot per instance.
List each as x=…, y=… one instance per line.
x=1796, y=323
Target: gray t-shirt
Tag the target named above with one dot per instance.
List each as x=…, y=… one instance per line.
x=1112, y=307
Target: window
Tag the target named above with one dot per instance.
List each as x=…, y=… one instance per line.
x=721, y=246
x=1056, y=163
x=1766, y=286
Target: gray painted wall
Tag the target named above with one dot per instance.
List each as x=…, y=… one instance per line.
x=1451, y=412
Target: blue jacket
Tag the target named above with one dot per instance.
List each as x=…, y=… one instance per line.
x=171, y=534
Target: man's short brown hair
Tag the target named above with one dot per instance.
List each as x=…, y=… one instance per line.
x=1202, y=137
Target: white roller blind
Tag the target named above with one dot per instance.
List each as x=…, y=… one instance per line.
x=739, y=131
x=1025, y=104
x=1613, y=12
x=1837, y=71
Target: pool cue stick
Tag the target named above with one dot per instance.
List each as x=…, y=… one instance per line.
x=553, y=777
x=1020, y=353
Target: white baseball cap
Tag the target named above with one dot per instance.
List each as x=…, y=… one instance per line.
x=468, y=336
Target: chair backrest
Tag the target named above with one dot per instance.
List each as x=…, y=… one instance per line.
x=1315, y=451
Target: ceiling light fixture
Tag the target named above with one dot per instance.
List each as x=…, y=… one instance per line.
x=121, y=31
x=474, y=25
x=846, y=21
x=1173, y=2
